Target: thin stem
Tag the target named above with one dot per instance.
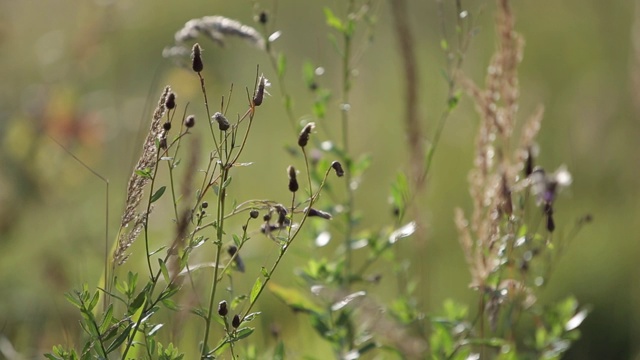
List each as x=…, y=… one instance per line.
x=345, y=107
x=220, y=226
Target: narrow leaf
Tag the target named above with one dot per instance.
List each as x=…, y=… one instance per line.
x=158, y=194
x=257, y=287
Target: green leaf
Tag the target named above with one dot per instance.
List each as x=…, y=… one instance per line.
x=236, y=240
x=308, y=73
x=243, y=333
x=333, y=21
x=158, y=194
x=444, y=44
x=199, y=312
x=226, y=182
x=294, y=299
x=72, y=299
x=106, y=319
x=251, y=316
x=94, y=301
x=165, y=272
x=145, y=173
x=255, y=291
x=170, y=304
x=278, y=352
x=282, y=64
x=155, y=329
x=120, y=339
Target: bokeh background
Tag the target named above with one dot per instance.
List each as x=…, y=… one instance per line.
x=88, y=73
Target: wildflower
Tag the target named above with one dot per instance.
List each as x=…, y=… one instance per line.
x=546, y=187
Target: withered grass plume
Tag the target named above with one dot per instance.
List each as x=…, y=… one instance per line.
x=147, y=161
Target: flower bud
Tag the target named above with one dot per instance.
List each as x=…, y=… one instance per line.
x=222, y=308
x=196, y=58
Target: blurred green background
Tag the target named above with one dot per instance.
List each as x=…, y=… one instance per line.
x=88, y=73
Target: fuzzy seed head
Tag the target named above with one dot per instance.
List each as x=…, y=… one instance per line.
x=303, y=138
x=338, y=168
x=196, y=58
x=190, y=121
x=223, y=123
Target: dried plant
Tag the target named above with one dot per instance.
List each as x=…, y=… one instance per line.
x=137, y=182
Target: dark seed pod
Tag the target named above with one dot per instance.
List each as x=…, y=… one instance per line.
x=338, y=168
x=259, y=96
x=171, y=101
x=236, y=321
x=318, y=213
x=293, y=182
x=282, y=215
x=528, y=166
x=205, y=204
x=223, y=123
x=263, y=18
x=196, y=58
x=254, y=214
x=303, y=138
x=551, y=225
x=163, y=143
x=222, y=308
x=166, y=126
x=190, y=121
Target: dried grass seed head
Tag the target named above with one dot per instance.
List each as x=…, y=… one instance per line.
x=303, y=138
x=196, y=58
x=137, y=183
